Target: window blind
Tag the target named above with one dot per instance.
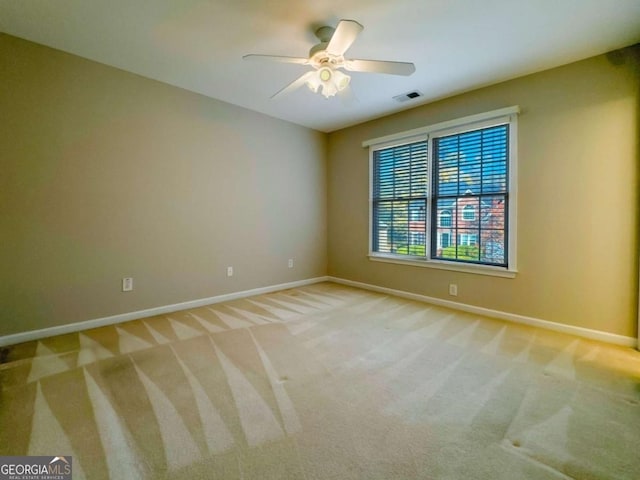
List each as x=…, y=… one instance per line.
x=399, y=198
x=470, y=184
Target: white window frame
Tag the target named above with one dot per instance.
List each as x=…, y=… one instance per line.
x=473, y=122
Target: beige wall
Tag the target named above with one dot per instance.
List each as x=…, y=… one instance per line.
x=578, y=200
x=105, y=174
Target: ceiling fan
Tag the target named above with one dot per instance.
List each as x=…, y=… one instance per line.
x=327, y=58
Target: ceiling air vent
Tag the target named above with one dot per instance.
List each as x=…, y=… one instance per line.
x=405, y=97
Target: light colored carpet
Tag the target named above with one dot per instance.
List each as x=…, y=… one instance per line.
x=324, y=382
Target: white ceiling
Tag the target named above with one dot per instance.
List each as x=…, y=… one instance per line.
x=456, y=45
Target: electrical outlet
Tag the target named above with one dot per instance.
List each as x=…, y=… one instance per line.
x=453, y=289
x=229, y=271
x=127, y=284
x=290, y=263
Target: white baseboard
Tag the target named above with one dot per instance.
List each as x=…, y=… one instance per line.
x=512, y=317
x=125, y=317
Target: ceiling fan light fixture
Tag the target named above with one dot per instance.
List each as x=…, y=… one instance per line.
x=329, y=89
x=314, y=83
x=325, y=74
x=328, y=81
x=341, y=79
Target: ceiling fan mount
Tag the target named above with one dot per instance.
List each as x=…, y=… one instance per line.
x=327, y=60
x=324, y=34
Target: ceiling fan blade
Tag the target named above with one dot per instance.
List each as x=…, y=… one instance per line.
x=380, y=66
x=345, y=34
x=276, y=58
x=298, y=82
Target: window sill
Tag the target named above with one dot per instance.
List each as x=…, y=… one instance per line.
x=439, y=265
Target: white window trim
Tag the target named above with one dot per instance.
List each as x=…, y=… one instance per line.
x=449, y=127
x=472, y=122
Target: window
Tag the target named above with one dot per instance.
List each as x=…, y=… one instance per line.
x=467, y=239
x=445, y=218
x=442, y=196
x=400, y=199
x=468, y=213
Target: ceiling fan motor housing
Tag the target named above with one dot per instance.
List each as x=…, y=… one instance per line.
x=318, y=55
x=317, y=49
x=325, y=33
